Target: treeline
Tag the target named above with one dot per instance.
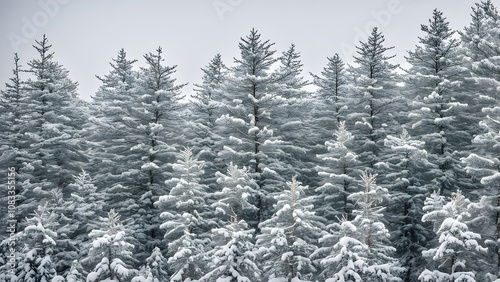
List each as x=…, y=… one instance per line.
x=381, y=174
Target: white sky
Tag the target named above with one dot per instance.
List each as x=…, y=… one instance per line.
x=87, y=34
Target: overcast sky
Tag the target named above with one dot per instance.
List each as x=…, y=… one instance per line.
x=87, y=34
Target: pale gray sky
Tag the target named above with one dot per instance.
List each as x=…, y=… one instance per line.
x=87, y=34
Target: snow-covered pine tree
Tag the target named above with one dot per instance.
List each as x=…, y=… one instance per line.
x=83, y=209
x=293, y=119
x=238, y=192
x=342, y=256
x=338, y=168
x=373, y=98
x=11, y=106
x=289, y=237
x=38, y=240
x=185, y=218
x=206, y=103
x=369, y=222
x=10, y=137
x=76, y=273
x=56, y=116
x=233, y=257
x=110, y=255
x=157, y=116
x=439, y=111
x=156, y=119
x=246, y=128
x=404, y=165
x=135, y=129
x=481, y=40
x=155, y=269
x=332, y=90
x=109, y=135
x=457, y=246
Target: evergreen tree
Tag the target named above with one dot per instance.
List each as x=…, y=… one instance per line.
x=380, y=263
x=481, y=43
x=342, y=256
x=55, y=118
x=233, y=258
x=110, y=252
x=246, y=127
x=38, y=241
x=337, y=169
x=293, y=119
x=206, y=103
x=438, y=115
x=289, y=236
x=373, y=98
x=76, y=273
x=136, y=131
x=331, y=94
x=236, y=196
x=404, y=165
x=456, y=243
x=185, y=218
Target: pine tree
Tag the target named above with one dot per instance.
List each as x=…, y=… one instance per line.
x=55, y=118
x=155, y=269
x=338, y=169
x=293, y=118
x=207, y=105
x=289, y=236
x=342, y=256
x=381, y=265
x=110, y=252
x=373, y=97
x=136, y=128
x=38, y=239
x=331, y=94
x=246, y=127
x=456, y=243
x=76, y=273
x=404, y=164
x=439, y=111
x=236, y=196
x=481, y=41
x=185, y=218
x=83, y=210
x=233, y=258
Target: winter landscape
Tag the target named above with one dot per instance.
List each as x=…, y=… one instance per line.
x=365, y=171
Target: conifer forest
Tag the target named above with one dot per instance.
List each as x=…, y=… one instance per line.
x=380, y=173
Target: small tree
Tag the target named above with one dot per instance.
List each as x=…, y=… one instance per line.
x=39, y=240
x=456, y=244
x=381, y=265
x=342, y=256
x=289, y=236
x=236, y=196
x=232, y=259
x=110, y=253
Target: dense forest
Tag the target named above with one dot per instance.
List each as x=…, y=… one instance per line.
x=379, y=174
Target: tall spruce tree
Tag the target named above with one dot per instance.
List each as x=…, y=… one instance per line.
x=373, y=98
x=246, y=127
x=207, y=105
x=438, y=114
